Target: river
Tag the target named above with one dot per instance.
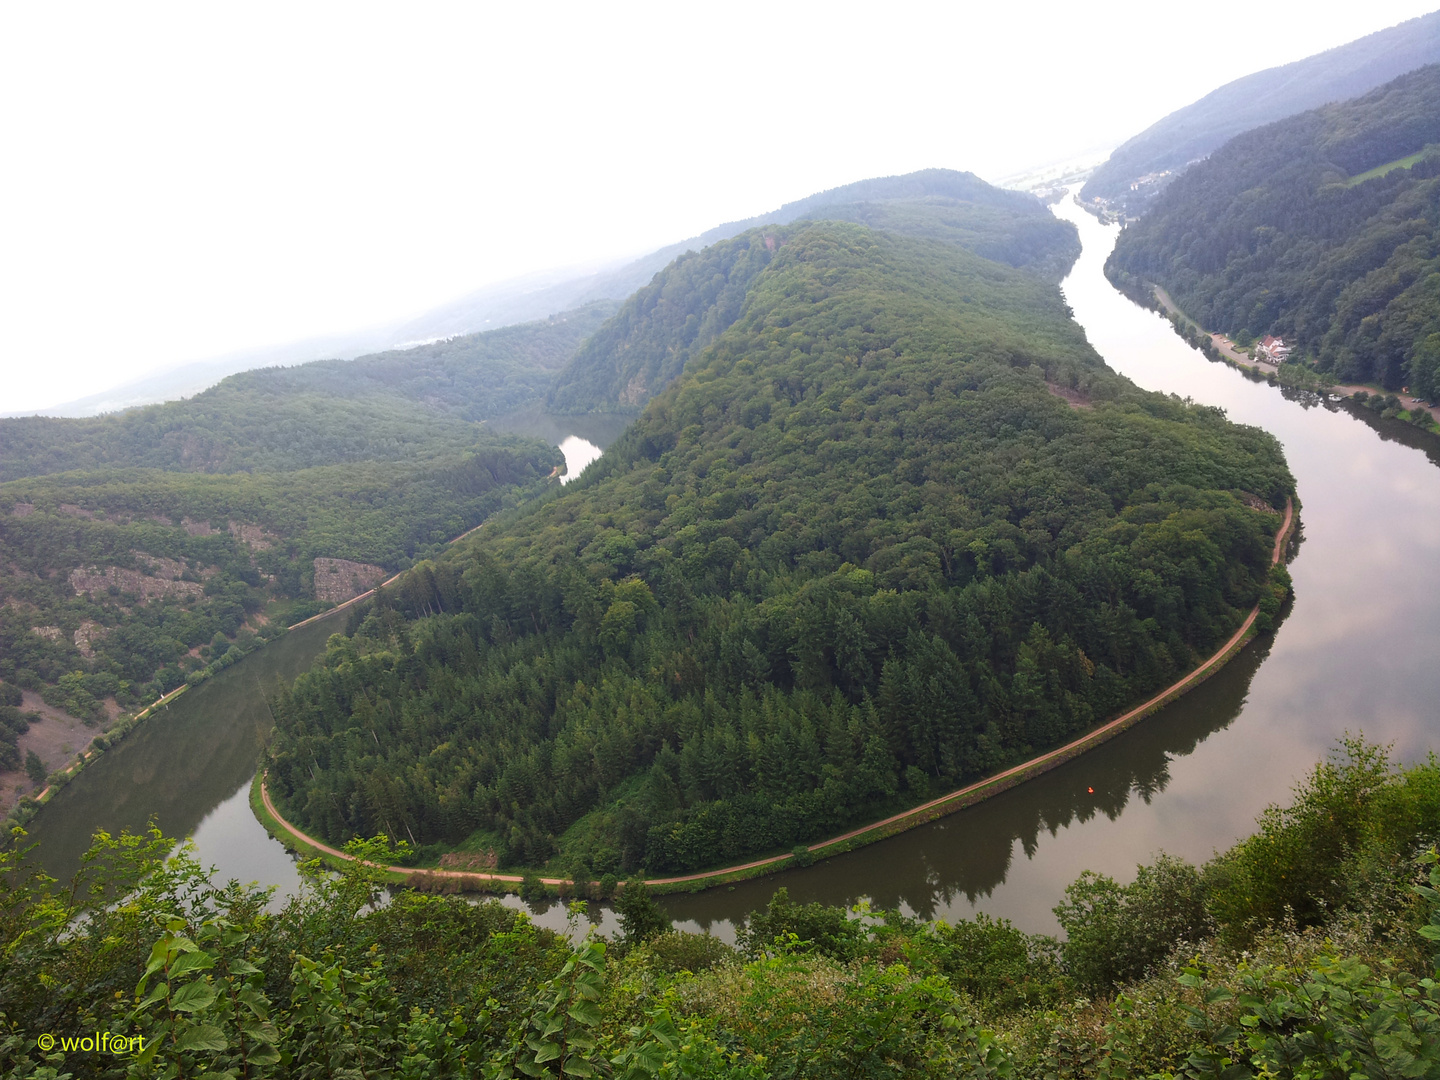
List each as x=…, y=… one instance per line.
x=1356, y=653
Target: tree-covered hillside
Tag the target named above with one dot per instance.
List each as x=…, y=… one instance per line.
x=139, y=549
x=699, y=295
x=395, y=406
x=1299, y=229
x=1194, y=132
x=860, y=550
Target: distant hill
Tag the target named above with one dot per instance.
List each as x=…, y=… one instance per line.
x=1323, y=228
x=143, y=548
x=1194, y=131
x=538, y=296
x=702, y=292
x=385, y=407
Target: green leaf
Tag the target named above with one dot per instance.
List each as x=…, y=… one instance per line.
x=159, y=992
x=201, y=1037
x=193, y=997
x=192, y=961
x=585, y=1012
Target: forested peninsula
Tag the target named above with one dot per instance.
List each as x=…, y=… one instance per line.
x=144, y=549
x=1321, y=229
x=894, y=526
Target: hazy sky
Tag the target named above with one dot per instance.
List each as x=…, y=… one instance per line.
x=184, y=180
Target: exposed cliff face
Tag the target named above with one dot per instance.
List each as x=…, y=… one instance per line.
x=159, y=579
x=337, y=580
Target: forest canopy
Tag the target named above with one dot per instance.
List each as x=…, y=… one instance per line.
x=667, y=323
x=896, y=525
x=140, y=549
x=1323, y=229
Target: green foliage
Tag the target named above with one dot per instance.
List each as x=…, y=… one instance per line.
x=786, y=926
x=1287, y=868
x=1198, y=130
x=390, y=407
x=641, y=916
x=667, y=325
x=857, y=549
x=1116, y=934
x=675, y=951
x=559, y=1036
x=219, y=980
x=1000, y=967
x=1270, y=235
x=234, y=493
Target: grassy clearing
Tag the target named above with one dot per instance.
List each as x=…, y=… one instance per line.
x=1381, y=170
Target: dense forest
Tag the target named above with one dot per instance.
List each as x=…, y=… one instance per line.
x=121, y=583
x=1322, y=229
x=1309, y=949
x=895, y=527
x=1133, y=175
x=141, y=549
x=672, y=319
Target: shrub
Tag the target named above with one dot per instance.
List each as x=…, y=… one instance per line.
x=1118, y=932
x=677, y=951
x=808, y=927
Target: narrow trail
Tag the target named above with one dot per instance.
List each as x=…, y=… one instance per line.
x=915, y=816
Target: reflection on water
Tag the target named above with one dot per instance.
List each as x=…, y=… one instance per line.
x=1356, y=653
x=578, y=454
x=955, y=866
x=189, y=768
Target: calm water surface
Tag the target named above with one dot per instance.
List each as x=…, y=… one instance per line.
x=1357, y=652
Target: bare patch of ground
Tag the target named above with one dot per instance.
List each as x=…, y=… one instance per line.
x=57, y=737
x=1072, y=397
x=1256, y=503
x=337, y=580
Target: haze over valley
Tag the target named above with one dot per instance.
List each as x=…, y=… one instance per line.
x=932, y=627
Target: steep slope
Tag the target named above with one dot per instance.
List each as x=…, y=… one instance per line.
x=1191, y=133
x=1323, y=229
x=697, y=296
x=861, y=548
x=140, y=549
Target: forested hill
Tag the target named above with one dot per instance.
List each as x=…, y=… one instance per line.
x=978, y=214
x=159, y=542
x=896, y=527
x=1323, y=229
x=531, y=298
x=386, y=407
x=1198, y=129
x=699, y=295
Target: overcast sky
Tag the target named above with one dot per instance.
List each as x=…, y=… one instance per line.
x=184, y=180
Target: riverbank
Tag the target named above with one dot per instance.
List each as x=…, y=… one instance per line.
x=282, y=830
x=1232, y=354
